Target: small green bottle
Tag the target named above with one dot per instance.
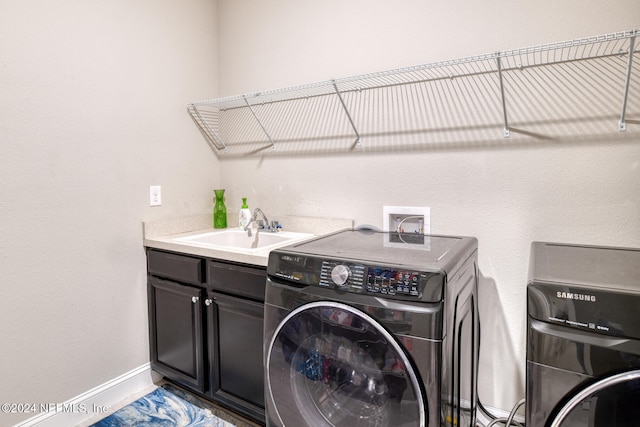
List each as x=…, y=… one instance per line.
x=219, y=210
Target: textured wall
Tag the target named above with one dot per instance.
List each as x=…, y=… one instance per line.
x=92, y=112
x=567, y=176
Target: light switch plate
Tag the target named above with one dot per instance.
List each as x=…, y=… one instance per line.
x=155, y=195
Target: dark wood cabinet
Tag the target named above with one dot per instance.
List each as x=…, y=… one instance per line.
x=206, y=321
x=235, y=349
x=176, y=332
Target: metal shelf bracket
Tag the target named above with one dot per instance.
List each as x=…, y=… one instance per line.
x=208, y=131
x=273, y=145
x=346, y=110
x=506, y=132
x=622, y=124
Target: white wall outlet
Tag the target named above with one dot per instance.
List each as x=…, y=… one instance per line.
x=410, y=219
x=155, y=195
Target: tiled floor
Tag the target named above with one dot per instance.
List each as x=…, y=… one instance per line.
x=223, y=413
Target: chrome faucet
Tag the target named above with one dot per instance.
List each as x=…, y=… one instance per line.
x=263, y=224
x=246, y=227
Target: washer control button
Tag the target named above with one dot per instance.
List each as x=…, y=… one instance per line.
x=340, y=274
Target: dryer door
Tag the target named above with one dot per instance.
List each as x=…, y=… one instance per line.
x=330, y=364
x=608, y=402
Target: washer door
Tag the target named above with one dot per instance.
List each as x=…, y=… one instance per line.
x=330, y=364
x=609, y=402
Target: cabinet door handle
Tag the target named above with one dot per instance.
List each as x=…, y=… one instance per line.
x=208, y=301
x=195, y=299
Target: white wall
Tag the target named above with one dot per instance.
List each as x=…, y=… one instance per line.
x=92, y=111
x=579, y=187
x=92, y=98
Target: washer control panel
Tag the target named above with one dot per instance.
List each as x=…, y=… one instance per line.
x=371, y=279
x=394, y=282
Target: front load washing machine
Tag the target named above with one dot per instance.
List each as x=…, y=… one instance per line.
x=583, y=344
x=367, y=328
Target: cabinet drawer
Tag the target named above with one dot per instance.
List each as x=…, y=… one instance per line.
x=183, y=268
x=238, y=280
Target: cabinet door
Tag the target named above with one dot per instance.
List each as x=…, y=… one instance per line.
x=235, y=349
x=176, y=332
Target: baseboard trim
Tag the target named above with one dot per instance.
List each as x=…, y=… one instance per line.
x=95, y=401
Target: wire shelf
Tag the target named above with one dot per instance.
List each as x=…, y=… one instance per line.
x=430, y=102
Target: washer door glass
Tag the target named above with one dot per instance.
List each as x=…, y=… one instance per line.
x=330, y=364
x=609, y=402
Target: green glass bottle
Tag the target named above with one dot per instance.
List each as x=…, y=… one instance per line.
x=219, y=210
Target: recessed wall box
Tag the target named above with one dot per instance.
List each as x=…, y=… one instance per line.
x=407, y=219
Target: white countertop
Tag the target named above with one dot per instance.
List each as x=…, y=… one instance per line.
x=162, y=234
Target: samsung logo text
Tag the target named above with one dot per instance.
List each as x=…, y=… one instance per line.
x=579, y=297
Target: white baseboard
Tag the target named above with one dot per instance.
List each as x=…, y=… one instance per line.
x=94, y=402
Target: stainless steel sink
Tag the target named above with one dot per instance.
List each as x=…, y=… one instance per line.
x=238, y=240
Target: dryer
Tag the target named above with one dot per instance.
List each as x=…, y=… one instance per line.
x=583, y=344
x=367, y=328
